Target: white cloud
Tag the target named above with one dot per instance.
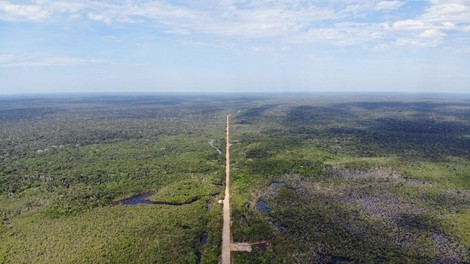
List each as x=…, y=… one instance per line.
x=341, y=34
x=453, y=10
x=24, y=60
x=110, y=38
x=418, y=43
x=430, y=28
x=431, y=33
x=287, y=21
x=429, y=38
x=14, y=12
x=409, y=24
x=100, y=17
x=248, y=19
x=388, y=5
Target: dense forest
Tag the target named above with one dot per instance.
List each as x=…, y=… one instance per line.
x=317, y=178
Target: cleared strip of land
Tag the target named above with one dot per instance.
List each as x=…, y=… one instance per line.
x=226, y=236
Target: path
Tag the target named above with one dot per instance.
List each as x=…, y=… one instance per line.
x=226, y=235
x=211, y=143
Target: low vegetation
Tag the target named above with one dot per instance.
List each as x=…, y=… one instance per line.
x=186, y=191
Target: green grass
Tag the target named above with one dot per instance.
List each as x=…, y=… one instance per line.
x=450, y=174
x=459, y=224
x=185, y=191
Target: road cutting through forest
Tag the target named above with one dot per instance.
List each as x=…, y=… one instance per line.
x=227, y=244
x=226, y=235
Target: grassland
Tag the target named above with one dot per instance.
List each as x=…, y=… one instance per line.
x=365, y=179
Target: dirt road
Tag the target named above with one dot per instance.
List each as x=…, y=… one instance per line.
x=226, y=235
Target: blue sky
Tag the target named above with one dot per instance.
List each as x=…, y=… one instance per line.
x=234, y=46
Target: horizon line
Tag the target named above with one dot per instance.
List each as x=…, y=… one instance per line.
x=136, y=93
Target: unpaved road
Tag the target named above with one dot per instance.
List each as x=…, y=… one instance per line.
x=226, y=236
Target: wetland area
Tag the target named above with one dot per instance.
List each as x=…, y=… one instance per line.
x=315, y=178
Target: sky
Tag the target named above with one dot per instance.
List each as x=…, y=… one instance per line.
x=234, y=46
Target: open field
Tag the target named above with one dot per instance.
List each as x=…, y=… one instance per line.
x=357, y=178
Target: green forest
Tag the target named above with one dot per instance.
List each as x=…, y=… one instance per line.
x=318, y=178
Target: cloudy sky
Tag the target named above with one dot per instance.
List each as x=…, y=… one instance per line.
x=234, y=46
